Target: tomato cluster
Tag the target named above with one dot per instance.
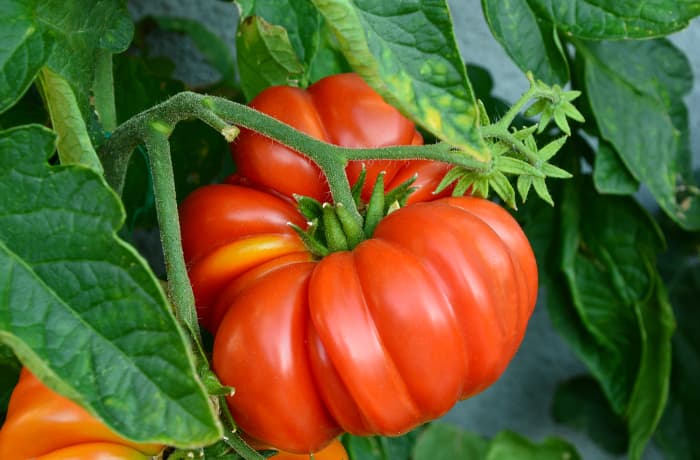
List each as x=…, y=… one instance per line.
x=376, y=340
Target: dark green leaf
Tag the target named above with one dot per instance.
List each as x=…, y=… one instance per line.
x=610, y=174
x=212, y=47
x=507, y=446
x=24, y=50
x=265, y=56
x=9, y=374
x=619, y=19
x=532, y=43
x=613, y=310
x=581, y=404
x=407, y=52
x=441, y=441
x=680, y=426
x=80, y=308
x=636, y=92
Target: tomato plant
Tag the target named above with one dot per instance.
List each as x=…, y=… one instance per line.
x=320, y=164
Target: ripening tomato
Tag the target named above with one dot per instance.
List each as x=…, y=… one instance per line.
x=333, y=451
x=376, y=340
x=44, y=425
x=339, y=109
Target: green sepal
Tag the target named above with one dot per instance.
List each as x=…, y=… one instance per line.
x=314, y=246
x=524, y=185
x=553, y=171
x=463, y=184
x=351, y=226
x=451, y=176
x=549, y=150
x=308, y=207
x=399, y=194
x=500, y=184
x=213, y=385
x=510, y=165
x=538, y=107
x=542, y=191
x=375, y=207
x=333, y=229
x=357, y=188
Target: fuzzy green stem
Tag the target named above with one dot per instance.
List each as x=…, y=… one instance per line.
x=179, y=290
x=103, y=90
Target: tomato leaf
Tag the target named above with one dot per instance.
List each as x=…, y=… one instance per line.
x=613, y=309
x=441, y=441
x=80, y=308
x=610, y=174
x=636, y=91
x=533, y=44
x=379, y=447
x=601, y=19
x=581, y=404
x=306, y=37
x=9, y=374
x=408, y=53
x=680, y=426
x=265, y=56
x=212, y=47
x=508, y=445
x=24, y=51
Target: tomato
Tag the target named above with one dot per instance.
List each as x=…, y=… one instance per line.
x=45, y=425
x=339, y=109
x=377, y=340
x=333, y=451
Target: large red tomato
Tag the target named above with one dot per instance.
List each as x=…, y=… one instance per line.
x=42, y=424
x=379, y=339
x=342, y=110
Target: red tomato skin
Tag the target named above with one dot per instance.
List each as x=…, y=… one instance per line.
x=339, y=109
x=40, y=422
x=377, y=348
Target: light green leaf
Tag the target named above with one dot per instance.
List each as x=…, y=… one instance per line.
x=499, y=183
x=551, y=149
x=265, y=56
x=74, y=145
x=533, y=44
x=610, y=175
x=554, y=171
x=636, y=92
x=541, y=190
x=524, y=184
x=80, y=308
x=510, y=165
x=407, y=52
x=24, y=50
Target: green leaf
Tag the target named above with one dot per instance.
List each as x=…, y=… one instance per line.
x=613, y=310
x=312, y=40
x=507, y=446
x=441, y=441
x=610, y=174
x=408, y=53
x=542, y=190
x=533, y=44
x=680, y=427
x=380, y=448
x=24, y=50
x=265, y=56
x=74, y=144
x=605, y=19
x=81, y=28
x=636, y=92
x=510, y=165
x=80, y=308
x=499, y=183
x=581, y=404
x=212, y=47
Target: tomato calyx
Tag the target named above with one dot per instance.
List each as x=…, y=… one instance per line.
x=331, y=227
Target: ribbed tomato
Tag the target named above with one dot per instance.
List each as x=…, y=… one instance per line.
x=333, y=451
x=379, y=339
x=339, y=109
x=42, y=424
